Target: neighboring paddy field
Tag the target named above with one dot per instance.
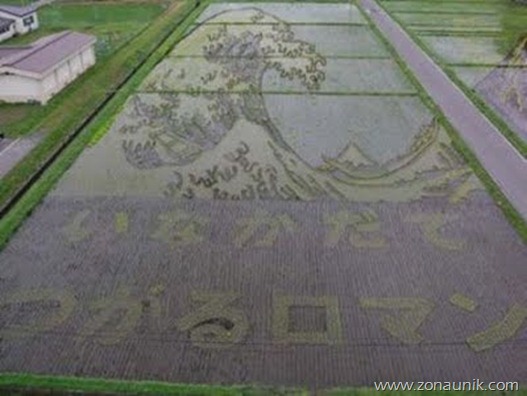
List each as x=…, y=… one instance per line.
x=483, y=47
x=268, y=208
x=112, y=23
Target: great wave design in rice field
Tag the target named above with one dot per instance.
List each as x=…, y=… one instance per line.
x=205, y=130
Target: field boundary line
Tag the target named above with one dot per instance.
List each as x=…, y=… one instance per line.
x=450, y=1
x=13, y=382
x=443, y=12
x=321, y=24
x=345, y=57
x=292, y=93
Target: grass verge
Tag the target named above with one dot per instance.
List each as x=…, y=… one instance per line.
x=64, y=385
x=31, y=198
x=512, y=215
x=60, y=385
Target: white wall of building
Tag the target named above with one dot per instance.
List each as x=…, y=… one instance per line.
x=50, y=85
x=76, y=66
x=24, y=24
x=88, y=57
x=7, y=35
x=14, y=88
x=63, y=74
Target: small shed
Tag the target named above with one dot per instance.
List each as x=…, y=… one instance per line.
x=36, y=72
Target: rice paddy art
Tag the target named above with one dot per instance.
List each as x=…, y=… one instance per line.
x=273, y=204
x=210, y=124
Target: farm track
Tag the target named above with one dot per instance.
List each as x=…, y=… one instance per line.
x=9, y=203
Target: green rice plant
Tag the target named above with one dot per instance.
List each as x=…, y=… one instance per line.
x=500, y=44
x=65, y=385
x=342, y=40
x=294, y=13
x=466, y=50
x=470, y=76
x=356, y=76
x=456, y=8
x=329, y=40
x=458, y=20
x=512, y=215
x=509, y=18
x=369, y=76
x=455, y=31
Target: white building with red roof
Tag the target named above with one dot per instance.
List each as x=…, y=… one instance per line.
x=36, y=72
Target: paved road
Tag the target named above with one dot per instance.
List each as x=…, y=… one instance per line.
x=506, y=166
x=12, y=152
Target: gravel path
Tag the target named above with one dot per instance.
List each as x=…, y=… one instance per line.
x=506, y=166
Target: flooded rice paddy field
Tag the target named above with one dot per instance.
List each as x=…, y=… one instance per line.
x=274, y=205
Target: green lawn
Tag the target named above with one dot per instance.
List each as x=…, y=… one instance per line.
x=112, y=23
x=66, y=385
